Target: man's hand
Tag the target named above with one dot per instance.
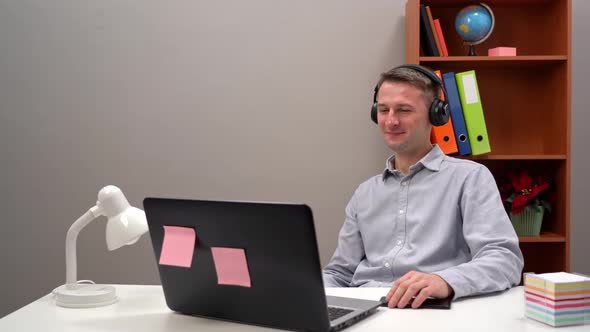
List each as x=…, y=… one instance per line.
x=419, y=285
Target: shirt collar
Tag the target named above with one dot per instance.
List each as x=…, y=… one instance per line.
x=432, y=161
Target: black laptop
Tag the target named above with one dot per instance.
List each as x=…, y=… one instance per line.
x=252, y=262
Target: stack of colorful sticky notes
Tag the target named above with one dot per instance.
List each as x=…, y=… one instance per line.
x=557, y=299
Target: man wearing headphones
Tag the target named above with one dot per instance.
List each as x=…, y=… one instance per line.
x=430, y=225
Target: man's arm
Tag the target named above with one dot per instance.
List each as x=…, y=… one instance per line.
x=497, y=261
x=349, y=252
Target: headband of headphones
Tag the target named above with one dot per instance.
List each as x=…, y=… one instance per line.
x=421, y=69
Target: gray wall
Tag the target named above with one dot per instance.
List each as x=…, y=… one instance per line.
x=230, y=99
x=580, y=178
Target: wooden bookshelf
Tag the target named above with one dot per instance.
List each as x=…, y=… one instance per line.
x=526, y=101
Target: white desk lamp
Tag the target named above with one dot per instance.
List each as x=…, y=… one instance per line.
x=126, y=224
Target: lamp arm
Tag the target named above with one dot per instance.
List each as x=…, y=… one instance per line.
x=71, y=238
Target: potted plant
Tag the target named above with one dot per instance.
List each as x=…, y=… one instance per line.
x=525, y=201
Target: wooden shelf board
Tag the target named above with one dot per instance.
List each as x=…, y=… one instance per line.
x=500, y=59
x=544, y=237
x=516, y=157
x=492, y=3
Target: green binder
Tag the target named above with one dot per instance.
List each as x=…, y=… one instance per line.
x=473, y=112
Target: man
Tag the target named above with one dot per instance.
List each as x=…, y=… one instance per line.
x=430, y=225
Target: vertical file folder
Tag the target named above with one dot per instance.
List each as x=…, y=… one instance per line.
x=456, y=114
x=444, y=136
x=473, y=112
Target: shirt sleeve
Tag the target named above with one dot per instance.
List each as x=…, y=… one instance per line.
x=497, y=261
x=349, y=251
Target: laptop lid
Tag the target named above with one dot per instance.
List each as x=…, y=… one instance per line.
x=249, y=262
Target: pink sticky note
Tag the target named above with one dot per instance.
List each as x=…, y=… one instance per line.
x=502, y=51
x=178, y=246
x=231, y=266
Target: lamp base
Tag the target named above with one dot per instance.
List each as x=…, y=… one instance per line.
x=85, y=296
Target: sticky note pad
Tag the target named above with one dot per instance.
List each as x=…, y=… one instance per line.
x=502, y=51
x=231, y=266
x=558, y=298
x=178, y=246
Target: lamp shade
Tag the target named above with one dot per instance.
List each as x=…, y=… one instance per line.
x=126, y=224
x=125, y=228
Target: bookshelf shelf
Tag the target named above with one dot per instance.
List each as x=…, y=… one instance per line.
x=540, y=59
x=544, y=237
x=461, y=3
x=516, y=157
x=525, y=98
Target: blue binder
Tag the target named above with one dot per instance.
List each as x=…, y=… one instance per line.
x=459, y=127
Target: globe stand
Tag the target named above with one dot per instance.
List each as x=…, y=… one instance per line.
x=472, y=51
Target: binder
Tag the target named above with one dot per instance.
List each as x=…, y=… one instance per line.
x=473, y=112
x=433, y=29
x=456, y=114
x=444, y=136
x=426, y=36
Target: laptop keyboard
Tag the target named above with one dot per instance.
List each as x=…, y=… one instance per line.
x=335, y=312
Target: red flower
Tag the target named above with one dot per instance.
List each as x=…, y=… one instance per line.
x=525, y=190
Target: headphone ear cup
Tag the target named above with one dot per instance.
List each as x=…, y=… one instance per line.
x=374, y=107
x=439, y=112
x=374, y=112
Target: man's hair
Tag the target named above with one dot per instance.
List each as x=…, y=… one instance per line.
x=414, y=78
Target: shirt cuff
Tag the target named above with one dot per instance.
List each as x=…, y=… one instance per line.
x=456, y=282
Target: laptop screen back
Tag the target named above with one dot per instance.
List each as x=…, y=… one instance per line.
x=250, y=262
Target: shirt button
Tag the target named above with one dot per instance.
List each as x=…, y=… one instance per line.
x=386, y=264
x=399, y=242
x=403, y=183
x=401, y=211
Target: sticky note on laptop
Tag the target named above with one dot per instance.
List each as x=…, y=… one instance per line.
x=231, y=266
x=178, y=246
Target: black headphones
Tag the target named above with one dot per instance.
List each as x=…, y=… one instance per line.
x=438, y=112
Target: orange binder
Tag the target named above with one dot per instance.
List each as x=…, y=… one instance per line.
x=444, y=135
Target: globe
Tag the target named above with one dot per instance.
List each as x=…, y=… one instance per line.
x=474, y=24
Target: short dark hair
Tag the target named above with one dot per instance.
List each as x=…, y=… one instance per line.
x=414, y=78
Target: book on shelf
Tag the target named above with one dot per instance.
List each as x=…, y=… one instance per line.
x=433, y=29
x=441, y=38
x=426, y=35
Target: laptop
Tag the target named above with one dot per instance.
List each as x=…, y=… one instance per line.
x=251, y=262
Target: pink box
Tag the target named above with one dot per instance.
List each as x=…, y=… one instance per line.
x=502, y=51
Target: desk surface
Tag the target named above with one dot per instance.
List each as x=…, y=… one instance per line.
x=142, y=308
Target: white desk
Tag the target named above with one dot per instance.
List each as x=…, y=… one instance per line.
x=143, y=309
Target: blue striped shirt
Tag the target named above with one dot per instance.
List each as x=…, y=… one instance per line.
x=445, y=217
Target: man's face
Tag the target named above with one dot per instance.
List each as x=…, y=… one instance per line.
x=403, y=118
